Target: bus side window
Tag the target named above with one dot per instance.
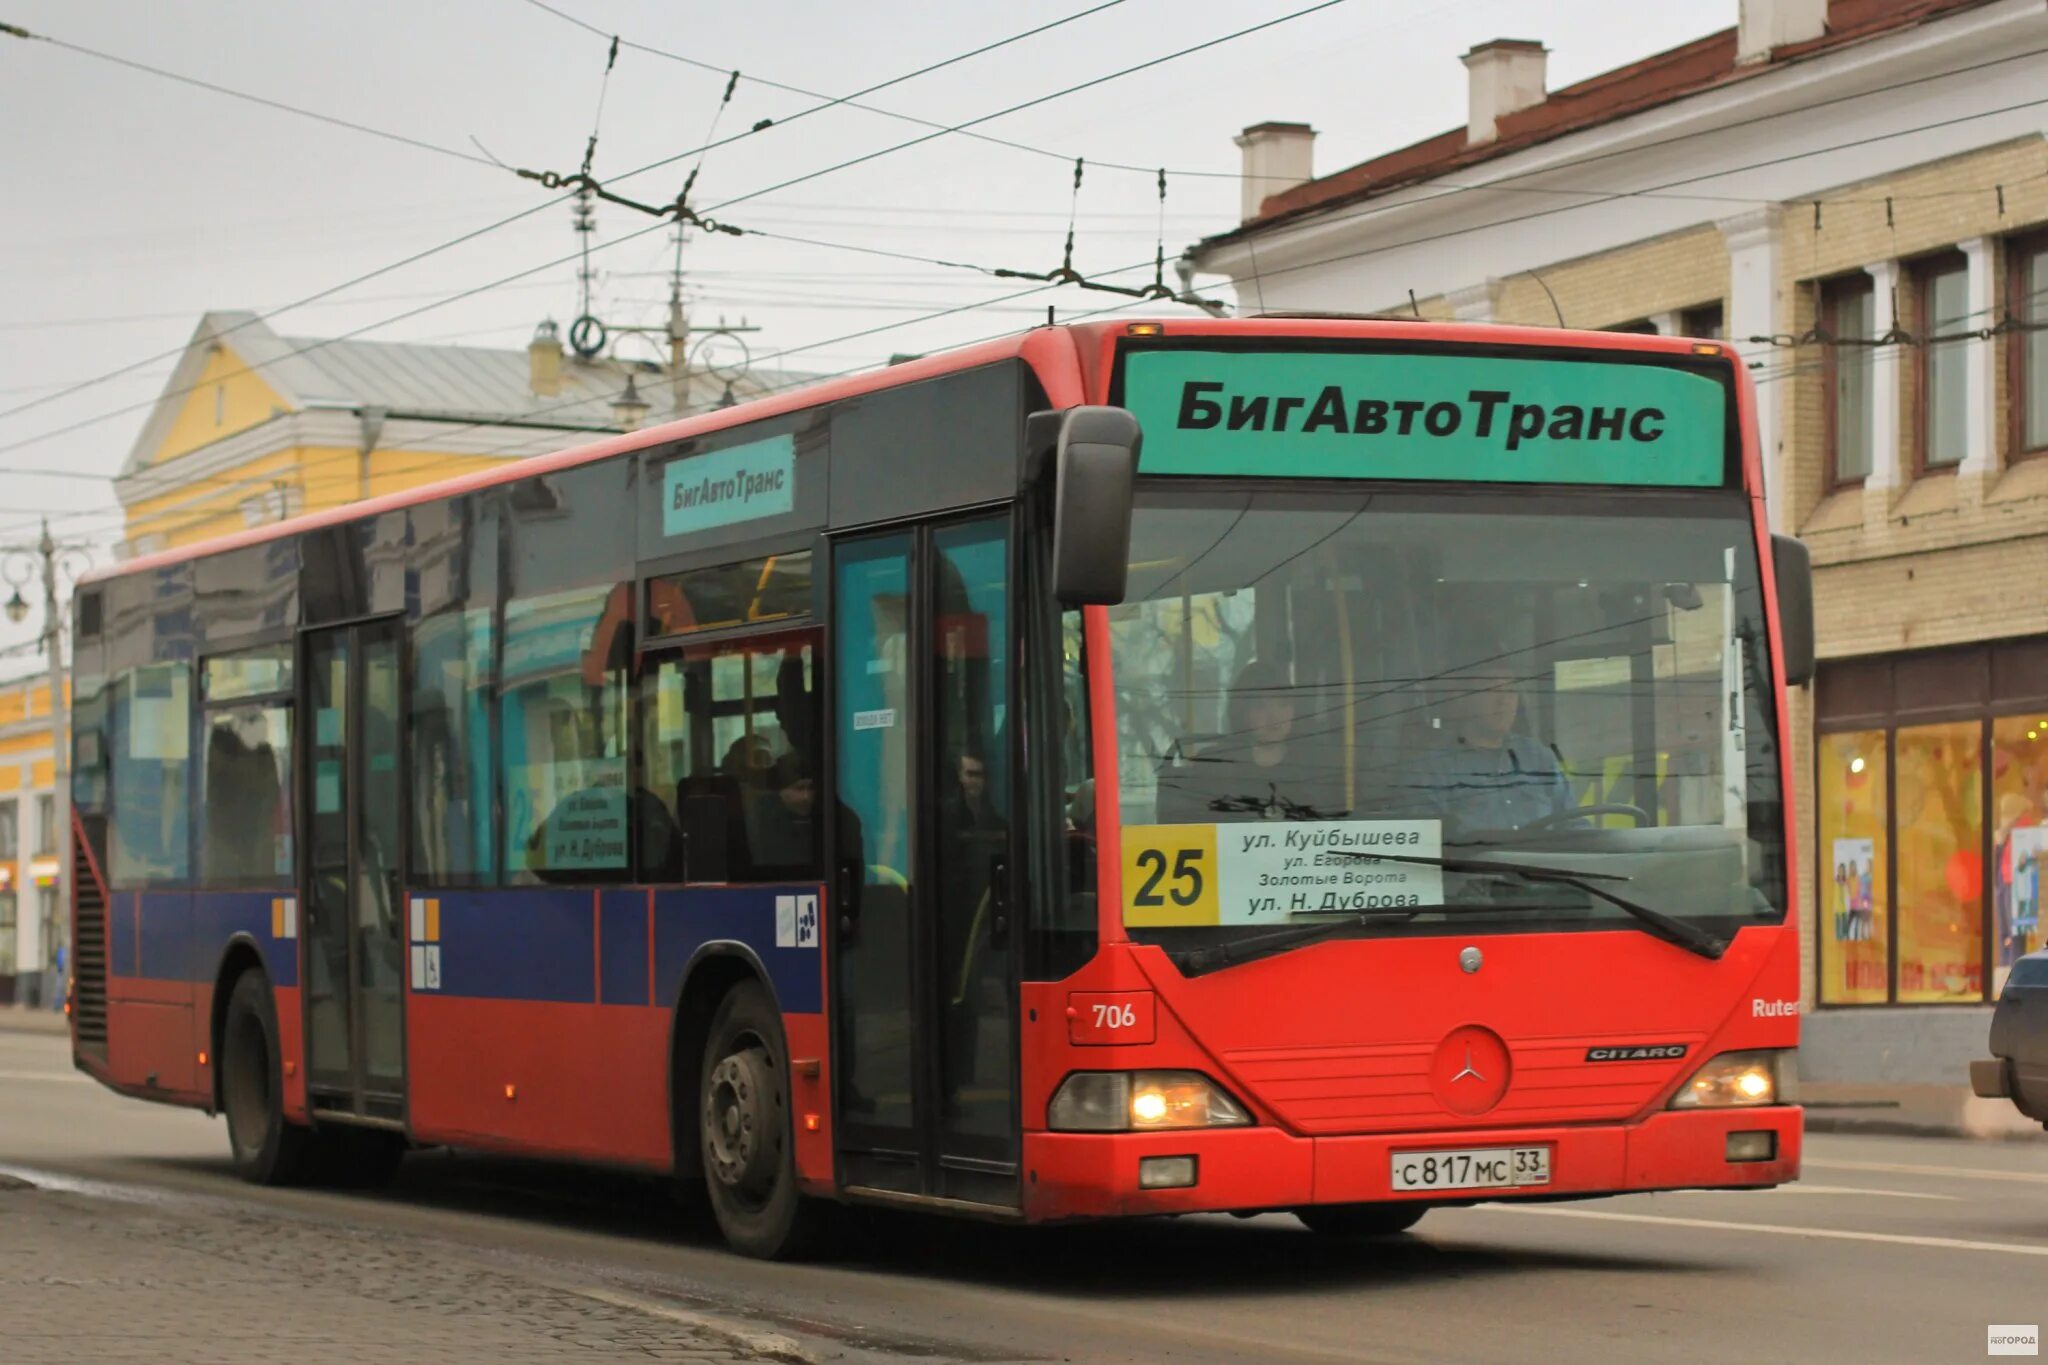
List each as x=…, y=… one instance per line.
x=727, y=744
x=562, y=742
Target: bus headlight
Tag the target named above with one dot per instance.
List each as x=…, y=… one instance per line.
x=1141, y=1101
x=1739, y=1080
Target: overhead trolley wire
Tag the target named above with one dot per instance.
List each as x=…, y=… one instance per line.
x=551, y=180
x=260, y=483
x=18, y=32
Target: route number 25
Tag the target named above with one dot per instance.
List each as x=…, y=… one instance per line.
x=1183, y=885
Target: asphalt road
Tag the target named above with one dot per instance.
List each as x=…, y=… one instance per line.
x=1892, y=1249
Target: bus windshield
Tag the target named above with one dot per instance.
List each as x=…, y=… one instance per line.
x=1323, y=695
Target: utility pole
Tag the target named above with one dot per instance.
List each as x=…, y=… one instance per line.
x=50, y=557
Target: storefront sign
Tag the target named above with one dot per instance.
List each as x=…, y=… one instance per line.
x=1268, y=872
x=743, y=483
x=1489, y=419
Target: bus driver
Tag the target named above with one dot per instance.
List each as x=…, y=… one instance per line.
x=1479, y=770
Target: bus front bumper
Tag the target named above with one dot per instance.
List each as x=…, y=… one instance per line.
x=1104, y=1175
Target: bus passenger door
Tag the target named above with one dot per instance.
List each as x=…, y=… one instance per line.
x=924, y=985
x=350, y=789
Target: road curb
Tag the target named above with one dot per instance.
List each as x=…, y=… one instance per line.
x=762, y=1345
x=16, y=1019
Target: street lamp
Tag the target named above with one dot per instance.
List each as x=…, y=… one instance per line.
x=20, y=565
x=629, y=407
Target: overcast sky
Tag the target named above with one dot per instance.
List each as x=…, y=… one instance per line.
x=133, y=204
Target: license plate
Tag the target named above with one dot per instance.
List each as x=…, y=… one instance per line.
x=1474, y=1168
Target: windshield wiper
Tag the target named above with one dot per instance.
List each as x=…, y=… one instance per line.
x=1690, y=937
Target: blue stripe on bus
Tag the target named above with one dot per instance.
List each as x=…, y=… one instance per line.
x=516, y=943
x=218, y=916
x=121, y=933
x=685, y=920
x=520, y=943
x=165, y=936
x=622, y=947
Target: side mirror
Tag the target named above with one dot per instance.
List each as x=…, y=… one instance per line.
x=1095, y=469
x=1794, y=569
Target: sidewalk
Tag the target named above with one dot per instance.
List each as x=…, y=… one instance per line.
x=85, y=1278
x=16, y=1019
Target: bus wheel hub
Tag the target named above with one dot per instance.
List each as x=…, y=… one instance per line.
x=736, y=1121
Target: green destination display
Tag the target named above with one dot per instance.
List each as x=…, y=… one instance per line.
x=740, y=483
x=1329, y=415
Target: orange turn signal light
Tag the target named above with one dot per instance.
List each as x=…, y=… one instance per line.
x=1145, y=329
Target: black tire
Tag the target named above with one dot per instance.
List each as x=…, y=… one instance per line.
x=746, y=1136
x=1360, y=1220
x=268, y=1150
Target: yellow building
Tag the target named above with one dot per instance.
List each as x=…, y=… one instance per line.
x=31, y=920
x=254, y=427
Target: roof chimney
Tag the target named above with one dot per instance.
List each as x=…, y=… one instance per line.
x=544, y=360
x=1506, y=76
x=1767, y=25
x=1277, y=157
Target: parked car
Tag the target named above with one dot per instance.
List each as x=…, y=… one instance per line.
x=2018, y=1066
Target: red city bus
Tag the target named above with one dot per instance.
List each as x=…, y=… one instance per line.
x=1320, y=765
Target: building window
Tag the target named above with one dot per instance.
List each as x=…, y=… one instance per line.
x=10, y=831
x=2019, y=838
x=1926, y=893
x=2027, y=304
x=1938, y=821
x=46, y=825
x=1941, y=290
x=55, y=931
x=7, y=931
x=1705, y=321
x=1853, y=854
x=1848, y=314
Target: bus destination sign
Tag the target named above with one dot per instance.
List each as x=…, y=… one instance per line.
x=740, y=483
x=1267, y=872
x=1476, y=418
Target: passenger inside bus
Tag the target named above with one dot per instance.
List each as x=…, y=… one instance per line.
x=782, y=822
x=1271, y=764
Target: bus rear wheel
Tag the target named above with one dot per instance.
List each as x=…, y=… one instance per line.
x=1360, y=1220
x=268, y=1150
x=746, y=1137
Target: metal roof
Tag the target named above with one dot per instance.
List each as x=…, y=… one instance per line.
x=433, y=382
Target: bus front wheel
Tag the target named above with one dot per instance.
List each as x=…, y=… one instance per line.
x=268, y=1150
x=745, y=1133
x=1360, y=1220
